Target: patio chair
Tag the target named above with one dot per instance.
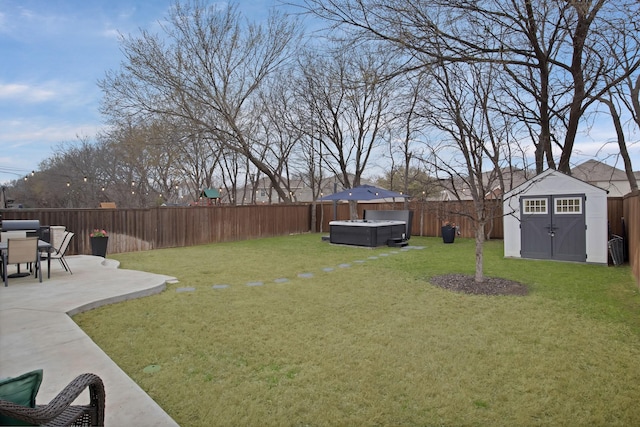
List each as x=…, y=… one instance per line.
x=60, y=411
x=57, y=236
x=21, y=251
x=5, y=236
x=62, y=249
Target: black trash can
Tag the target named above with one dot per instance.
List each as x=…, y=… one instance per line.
x=448, y=234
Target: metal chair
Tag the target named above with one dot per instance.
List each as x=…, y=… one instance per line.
x=62, y=249
x=5, y=236
x=21, y=251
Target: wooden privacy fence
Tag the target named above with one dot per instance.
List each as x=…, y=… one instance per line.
x=632, y=221
x=143, y=229
x=165, y=227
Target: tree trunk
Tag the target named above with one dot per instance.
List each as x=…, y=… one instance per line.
x=615, y=117
x=479, y=277
x=314, y=215
x=353, y=209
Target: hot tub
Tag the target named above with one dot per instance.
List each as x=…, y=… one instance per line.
x=366, y=233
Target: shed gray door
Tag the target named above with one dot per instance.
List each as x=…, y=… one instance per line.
x=553, y=227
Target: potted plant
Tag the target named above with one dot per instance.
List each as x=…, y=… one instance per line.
x=99, y=239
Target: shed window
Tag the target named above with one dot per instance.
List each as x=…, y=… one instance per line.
x=569, y=205
x=535, y=206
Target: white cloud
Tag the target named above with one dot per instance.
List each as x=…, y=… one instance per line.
x=61, y=94
x=111, y=33
x=19, y=133
x=24, y=92
x=27, y=142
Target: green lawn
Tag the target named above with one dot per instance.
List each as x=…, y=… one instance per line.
x=375, y=343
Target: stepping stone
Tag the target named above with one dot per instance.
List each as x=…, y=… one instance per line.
x=220, y=286
x=305, y=275
x=328, y=269
x=255, y=284
x=360, y=261
x=173, y=281
x=151, y=369
x=281, y=280
x=373, y=257
x=185, y=289
x=384, y=254
x=344, y=265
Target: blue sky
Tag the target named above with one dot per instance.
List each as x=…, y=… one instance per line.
x=54, y=52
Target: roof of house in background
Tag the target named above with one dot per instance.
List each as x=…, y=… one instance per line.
x=459, y=189
x=593, y=170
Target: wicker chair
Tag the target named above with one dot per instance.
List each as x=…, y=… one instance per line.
x=60, y=412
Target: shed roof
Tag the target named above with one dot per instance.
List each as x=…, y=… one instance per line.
x=522, y=188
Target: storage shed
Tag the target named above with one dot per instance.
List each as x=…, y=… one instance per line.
x=555, y=216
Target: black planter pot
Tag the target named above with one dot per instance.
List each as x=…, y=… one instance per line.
x=99, y=246
x=448, y=234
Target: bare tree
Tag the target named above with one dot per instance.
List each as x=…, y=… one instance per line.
x=408, y=127
x=204, y=70
x=71, y=178
x=624, y=98
x=474, y=140
x=275, y=116
x=550, y=49
x=350, y=94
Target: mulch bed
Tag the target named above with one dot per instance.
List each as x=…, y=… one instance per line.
x=491, y=285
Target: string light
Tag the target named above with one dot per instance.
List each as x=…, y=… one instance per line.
x=85, y=178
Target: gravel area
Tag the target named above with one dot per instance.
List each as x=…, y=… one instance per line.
x=467, y=284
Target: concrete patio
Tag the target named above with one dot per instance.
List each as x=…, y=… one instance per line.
x=36, y=331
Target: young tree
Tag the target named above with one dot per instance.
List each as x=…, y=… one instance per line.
x=474, y=138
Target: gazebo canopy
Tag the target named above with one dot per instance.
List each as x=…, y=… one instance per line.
x=363, y=192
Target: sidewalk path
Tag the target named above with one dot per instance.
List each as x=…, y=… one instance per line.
x=37, y=332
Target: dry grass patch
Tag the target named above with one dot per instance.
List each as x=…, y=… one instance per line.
x=372, y=344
